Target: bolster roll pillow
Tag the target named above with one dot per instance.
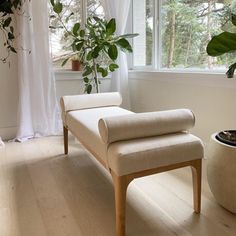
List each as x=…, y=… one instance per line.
x=141, y=125
x=85, y=101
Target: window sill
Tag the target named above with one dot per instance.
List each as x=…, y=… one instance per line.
x=204, y=78
x=64, y=74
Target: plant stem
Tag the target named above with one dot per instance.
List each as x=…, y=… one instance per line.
x=96, y=76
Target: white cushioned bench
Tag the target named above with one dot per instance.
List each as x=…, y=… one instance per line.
x=132, y=145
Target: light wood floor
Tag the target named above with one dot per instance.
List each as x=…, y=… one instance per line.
x=42, y=192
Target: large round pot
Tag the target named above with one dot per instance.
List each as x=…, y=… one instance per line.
x=221, y=172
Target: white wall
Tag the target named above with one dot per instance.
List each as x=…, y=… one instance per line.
x=8, y=98
x=67, y=83
x=71, y=83
x=211, y=97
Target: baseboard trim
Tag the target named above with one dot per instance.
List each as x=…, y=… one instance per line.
x=7, y=133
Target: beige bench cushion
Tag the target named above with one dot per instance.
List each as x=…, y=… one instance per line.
x=135, y=155
x=125, y=157
x=84, y=125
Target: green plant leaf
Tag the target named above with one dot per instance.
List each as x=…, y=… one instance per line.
x=230, y=71
x=75, y=29
x=52, y=2
x=82, y=33
x=124, y=44
x=10, y=36
x=99, y=69
x=89, y=88
x=79, y=46
x=104, y=73
x=233, y=19
x=113, y=52
x=64, y=62
x=68, y=17
x=113, y=67
x=52, y=17
x=86, y=79
x=222, y=43
x=87, y=71
x=52, y=27
x=96, y=51
x=111, y=27
x=57, y=7
x=7, y=22
x=129, y=35
x=97, y=19
x=89, y=56
x=13, y=49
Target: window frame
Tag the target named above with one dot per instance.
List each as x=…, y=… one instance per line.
x=84, y=14
x=157, y=49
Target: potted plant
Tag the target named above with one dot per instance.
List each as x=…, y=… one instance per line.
x=96, y=43
x=220, y=44
x=221, y=158
x=76, y=63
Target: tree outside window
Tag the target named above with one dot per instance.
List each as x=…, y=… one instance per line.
x=184, y=29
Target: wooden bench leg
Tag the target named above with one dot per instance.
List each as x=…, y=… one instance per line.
x=65, y=133
x=120, y=187
x=197, y=179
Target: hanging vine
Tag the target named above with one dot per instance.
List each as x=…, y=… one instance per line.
x=8, y=8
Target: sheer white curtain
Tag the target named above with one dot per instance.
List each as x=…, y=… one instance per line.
x=1, y=143
x=38, y=113
x=119, y=9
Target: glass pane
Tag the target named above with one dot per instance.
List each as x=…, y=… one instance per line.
x=186, y=28
x=94, y=8
x=143, y=12
x=60, y=46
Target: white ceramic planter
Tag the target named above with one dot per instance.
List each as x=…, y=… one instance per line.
x=221, y=173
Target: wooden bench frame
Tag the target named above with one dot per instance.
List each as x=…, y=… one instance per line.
x=121, y=183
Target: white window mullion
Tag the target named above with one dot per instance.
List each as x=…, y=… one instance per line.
x=157, y=35
x=84, y=12
x=129, y=28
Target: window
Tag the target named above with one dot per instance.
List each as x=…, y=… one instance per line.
x=174, y=33
x=60, y=47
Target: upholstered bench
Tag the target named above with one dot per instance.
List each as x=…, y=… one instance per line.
x=132, y=145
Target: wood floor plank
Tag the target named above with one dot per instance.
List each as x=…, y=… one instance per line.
x=56, y=215
x=181, y=180
x=45, y=193
x=23, y=217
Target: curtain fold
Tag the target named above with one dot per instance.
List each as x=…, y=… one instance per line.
x=38, y=113
x=1, y=143
x=119, y=9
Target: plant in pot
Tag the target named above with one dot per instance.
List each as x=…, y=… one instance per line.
x=96, y=43
x=221, y=161
x=76, y=63
x=75, y=60
x=221, y=44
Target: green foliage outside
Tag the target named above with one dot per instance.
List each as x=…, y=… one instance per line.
x=186, y=26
